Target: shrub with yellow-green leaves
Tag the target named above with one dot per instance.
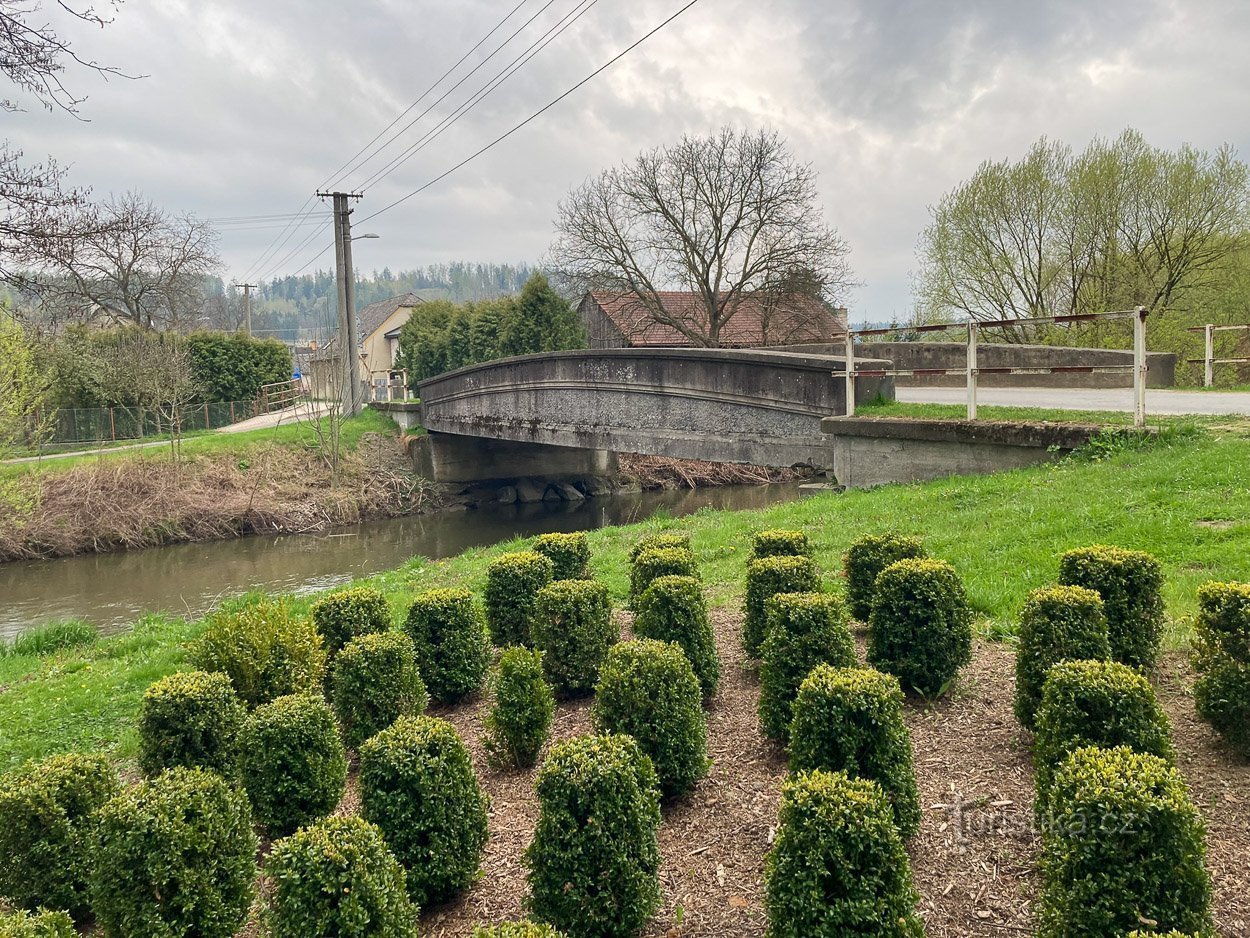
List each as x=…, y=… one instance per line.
x=348, y=614
x=24, y=924
x=1059, y=623
x=672, y=609
x=190, y=718
x=1130, y=583
x=1222, y=659
x=512, y=584
x=573, y=629
x=864, y=561
x=374, y=681
x=450, y=639
x=569, y=554
x=766, y=577
x=520, y=716
x=780, y=543
x=656, y=562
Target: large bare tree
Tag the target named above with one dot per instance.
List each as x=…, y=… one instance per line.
x=731, y=218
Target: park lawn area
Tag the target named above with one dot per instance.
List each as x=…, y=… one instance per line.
x=884, y=408
x=1185, y=498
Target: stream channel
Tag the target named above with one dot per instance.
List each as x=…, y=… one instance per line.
x=112, y=590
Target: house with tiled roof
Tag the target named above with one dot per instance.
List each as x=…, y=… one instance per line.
x=625, y=320
x=377, y=327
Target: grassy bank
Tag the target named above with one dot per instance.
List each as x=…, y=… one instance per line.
x=1185, y=498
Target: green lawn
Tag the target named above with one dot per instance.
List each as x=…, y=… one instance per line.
x=1184, y=498
x=882, y=408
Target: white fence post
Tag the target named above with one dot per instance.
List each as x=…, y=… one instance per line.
x=1139, y=367
x=972, y=370
x=850, y=372
x=1208, y=376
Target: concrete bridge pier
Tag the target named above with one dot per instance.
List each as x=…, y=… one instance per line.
x=453, y=457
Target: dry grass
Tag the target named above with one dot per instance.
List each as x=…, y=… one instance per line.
x=662, y=472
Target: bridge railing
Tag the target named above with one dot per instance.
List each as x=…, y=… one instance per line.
x=972, y=372
x=1208, y=360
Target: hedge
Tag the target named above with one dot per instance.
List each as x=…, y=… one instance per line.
x=1222, y=659
x=864, y=561
x=672, y=609
x=767, y=577
x=850, y=720
x=512, y=584
x=24, y=924
x=524, y=706
x=676, y=540
x=344, y=615
x=838, y=866
x=1130, y=583
x=595, y=857
x=569, y=554
x=574, y=630
x=374, y=681
x=1058, y=623
x=190, y=718
x=780, y=543
x=804, y=630
x=920, y=628
x=234, y=367
x=450, y=639
x=652, y=564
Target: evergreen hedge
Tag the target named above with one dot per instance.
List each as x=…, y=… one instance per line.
x=347, y=614
x=417, y=785
x=1222, y=659
x=234, y=367
x=780, y=543
x=656, y=562
x=672, y=609
x=648, y=690
x=595, y=858
x=1124, y=846
x=450, y=639
x=838, y=866
x=573, y=629
x=22, y=924
x=1130, y=583
x=190, y=718
x=676, y=540
x=804, y=630
x=1059, y=623
x=524, y=706
x=920, y=628
x=512, y=584
x=569, y=554
x=850, y=720
x=374, y=681
x=864, y=561
x=766, y=577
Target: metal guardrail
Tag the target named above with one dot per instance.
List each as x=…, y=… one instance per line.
x=1209, y=361
x=972, y=371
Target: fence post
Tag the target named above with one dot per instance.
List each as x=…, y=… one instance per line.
x=112, y=426
x=1139, y=367
x=1208, y=376
x=972, y=370
x=850, y=372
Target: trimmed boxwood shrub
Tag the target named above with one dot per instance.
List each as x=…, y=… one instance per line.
x=595, y=858
x=851, y=720
x=569, y=554
x=1125, y=845
x=1130, y=583
x=780, y=543
x=767, y=577
x=648, y=690
x=190, y=718
x=838, y=866
x=573, y=629
x=512, y=585
x=45, y=822
x=174, y=855
x=292, y=763
x=1095, y=703
x=1059, y=623
x=37, y=925
x=337, y=877
x=374, y=681
x=652, y=564
x=1171, y=934
x=517, y=930
x=672, y=609
x=344, y=615
x=920, y=628
x=265, y=649
x=804, y=630
x=417, y=785
x=679, y=540
x=1222, y=658
x=449, y=636
x=520, y=718
x=864, y=561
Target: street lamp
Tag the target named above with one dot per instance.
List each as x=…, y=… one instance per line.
x=370, y=235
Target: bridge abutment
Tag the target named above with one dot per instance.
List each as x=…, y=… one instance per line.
x=453, y=457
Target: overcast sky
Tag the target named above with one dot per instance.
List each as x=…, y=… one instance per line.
x=249, y=106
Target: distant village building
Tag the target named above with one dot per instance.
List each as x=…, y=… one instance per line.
x=377, y=326
x=615, y=320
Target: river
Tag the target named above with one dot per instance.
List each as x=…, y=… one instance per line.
x=112, y=590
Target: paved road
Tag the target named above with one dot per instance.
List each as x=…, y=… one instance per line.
x=1157, y=401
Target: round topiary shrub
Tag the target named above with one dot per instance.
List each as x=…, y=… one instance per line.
x=648, y=690
x=517, y=930
x=417, y=785
x=266, y=650
x=344, y=615
x=449, y=636
x=374, y=681
x=520, y=718
x=767, y=577
x=37, y=925
x=864, y=561
x=920, y=628
x=1124, y=845
x=804, y=630
x=512, y=585
x=838, y=866
x=678, y=540
x=45, y=822
x=672, y=609
x=569, y=554
x=337, y=877
x=292, y=763
x=174, y=855
x=652, y=564
x=190, y=718
x=1095, y=703
x=1171, y=934
x=780, y=543
x=595, y=858
x=851, y=720
x=1130, y=583
x=574, y=630
x=1222, y=658
x=1059, y=623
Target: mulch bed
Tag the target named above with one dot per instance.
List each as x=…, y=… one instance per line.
x=974, y=860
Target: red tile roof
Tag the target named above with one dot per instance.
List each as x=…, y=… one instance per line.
x=801, y=319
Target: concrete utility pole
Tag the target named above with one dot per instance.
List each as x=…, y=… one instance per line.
x=349, y=354
x=247, y=289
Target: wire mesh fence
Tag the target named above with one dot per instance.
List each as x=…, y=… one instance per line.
x=73, y=425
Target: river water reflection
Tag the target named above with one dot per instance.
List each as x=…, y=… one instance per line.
x=112, y=590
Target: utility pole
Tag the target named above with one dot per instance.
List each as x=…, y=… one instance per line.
x=349, y=356
x=247, y=289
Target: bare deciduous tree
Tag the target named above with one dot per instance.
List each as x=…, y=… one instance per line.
x=731, y=218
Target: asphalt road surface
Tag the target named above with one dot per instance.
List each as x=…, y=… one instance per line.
x=1158, y=401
